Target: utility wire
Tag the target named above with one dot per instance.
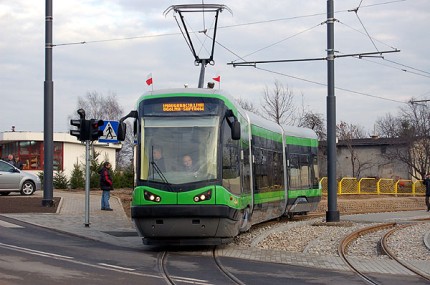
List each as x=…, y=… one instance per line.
x=278, y=42
x=356, y=14
x=358, y=31
x=221, y=27
x=311, y=81
x=391, y=61
x=393, y=67
x=323, y=84
x=304, y=16
x=117, y=39
x=408, y=67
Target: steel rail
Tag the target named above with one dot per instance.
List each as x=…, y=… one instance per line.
x=344, y=244
x=386, y=249
x=224, y=270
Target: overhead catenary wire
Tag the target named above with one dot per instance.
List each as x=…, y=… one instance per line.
x=393, y=67
x=311, y=81
x=367, y=33
x=336, y=87
x=280, y=41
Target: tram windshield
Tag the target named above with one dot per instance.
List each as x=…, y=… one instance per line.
x=178, y=150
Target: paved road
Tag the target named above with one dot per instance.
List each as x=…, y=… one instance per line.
x=116, y=228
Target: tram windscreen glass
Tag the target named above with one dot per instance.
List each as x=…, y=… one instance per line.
x=178, y=150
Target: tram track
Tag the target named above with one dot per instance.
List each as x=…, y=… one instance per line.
x=384, y=231
x=386, y=249
x=174, y=267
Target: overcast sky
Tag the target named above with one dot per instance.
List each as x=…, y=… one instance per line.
x=125, y=40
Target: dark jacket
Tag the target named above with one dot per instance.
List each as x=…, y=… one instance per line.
x=19, y=164
x=106, y=182
x=427, y=184
x=11, y=161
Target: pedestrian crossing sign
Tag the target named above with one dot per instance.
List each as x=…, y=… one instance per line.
x=110, y=130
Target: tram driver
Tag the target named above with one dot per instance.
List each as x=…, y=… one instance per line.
x=187, y=162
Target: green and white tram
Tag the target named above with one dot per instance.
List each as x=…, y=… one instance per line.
x=246, y=170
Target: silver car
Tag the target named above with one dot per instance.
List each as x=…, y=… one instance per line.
x=14, y=180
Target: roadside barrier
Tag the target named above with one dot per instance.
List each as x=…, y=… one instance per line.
x=374, y=186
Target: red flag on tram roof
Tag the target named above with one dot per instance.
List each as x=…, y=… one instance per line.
x=218, y=78
x=149, y=79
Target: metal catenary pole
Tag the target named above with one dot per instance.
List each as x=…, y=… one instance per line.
x=332, y=214
x=48, y=120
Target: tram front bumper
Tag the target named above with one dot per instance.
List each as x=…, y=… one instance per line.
x=200, y=221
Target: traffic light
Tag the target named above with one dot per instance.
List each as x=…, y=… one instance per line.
x=95, y=133
x=78, y=132
x=81, y=125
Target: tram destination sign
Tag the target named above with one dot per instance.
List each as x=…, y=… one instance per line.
x=183, y=107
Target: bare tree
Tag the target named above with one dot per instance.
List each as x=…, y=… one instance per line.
x=100, y=107
x=314, y=121
x=411, y=126
x=347, y=132
x=247, y=105
x=125, y=156
x=387, y=126
x=278, y=104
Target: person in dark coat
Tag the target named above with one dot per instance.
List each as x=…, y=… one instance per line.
x=10, y=159
x=158, y=159
x=106, y=184
x=427, y=184
x=18, y=163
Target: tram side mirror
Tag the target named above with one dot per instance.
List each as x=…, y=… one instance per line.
x=122, y=131
x=235, y=130
x=234, y=125
x=122, y=127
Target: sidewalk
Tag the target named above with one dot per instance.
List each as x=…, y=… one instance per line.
x=113, y=227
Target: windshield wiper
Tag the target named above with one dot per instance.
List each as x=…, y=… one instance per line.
x=160, y=173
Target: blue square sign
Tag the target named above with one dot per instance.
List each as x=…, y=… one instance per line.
x=110, y=130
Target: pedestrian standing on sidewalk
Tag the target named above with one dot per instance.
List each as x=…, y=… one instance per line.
x=106, y=184
x=427, y=184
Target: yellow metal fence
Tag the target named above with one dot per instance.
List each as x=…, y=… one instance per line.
x=373, y=186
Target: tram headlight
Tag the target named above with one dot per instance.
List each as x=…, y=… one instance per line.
x=207, y=195
x=151, y=197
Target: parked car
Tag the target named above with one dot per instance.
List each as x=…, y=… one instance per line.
x=14, y=180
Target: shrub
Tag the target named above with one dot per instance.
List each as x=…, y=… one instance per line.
x=77, y=179
x=60, y=180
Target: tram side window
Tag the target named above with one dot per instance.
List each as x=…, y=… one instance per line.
x=301, y=171
x=230, y=162
x=315, y=171
x=260, y=167
x=277, y=170
x=294, y=172
x=305, y=172
x=268, y=170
